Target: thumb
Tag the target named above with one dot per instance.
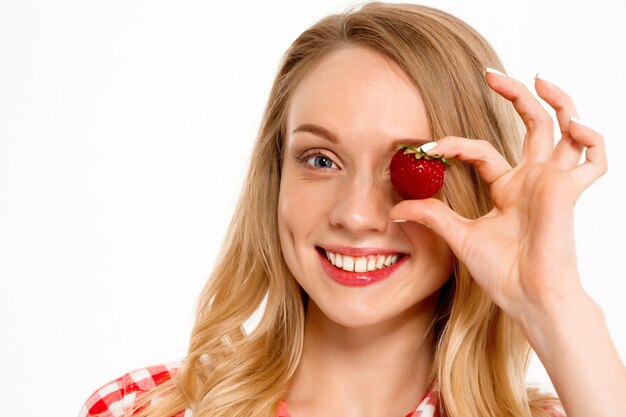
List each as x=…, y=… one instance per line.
x=435, y=215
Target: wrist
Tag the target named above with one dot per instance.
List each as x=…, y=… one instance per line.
x=554, y=322
x=571, y=338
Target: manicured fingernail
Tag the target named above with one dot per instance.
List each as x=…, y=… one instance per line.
x=493, y=71
x=540, y=77
x=575, y=120
x=428, y=146
x=398, y=221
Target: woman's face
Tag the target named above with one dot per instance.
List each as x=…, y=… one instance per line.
x=336, y=193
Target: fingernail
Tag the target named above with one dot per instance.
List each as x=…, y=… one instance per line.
x=576, y=120
x=398, y=221
x=428, y=146
x=493, y=71
x=539, y=77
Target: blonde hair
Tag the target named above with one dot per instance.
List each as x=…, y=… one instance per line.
x=480, y=355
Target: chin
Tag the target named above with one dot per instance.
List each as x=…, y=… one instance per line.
x=354, y=315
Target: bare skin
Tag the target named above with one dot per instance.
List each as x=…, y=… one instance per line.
x=357, y=373
x=529, y=266
x=367, y=350
x=361, y=354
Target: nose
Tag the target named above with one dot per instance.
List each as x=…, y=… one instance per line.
x=361, y=205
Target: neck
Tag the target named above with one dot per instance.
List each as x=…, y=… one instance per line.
x=381, y=369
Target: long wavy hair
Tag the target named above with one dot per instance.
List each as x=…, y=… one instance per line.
x=481, y=356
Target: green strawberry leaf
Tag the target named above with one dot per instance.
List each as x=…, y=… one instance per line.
x=419, y=153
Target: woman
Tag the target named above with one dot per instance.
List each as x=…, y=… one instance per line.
x=476, y=275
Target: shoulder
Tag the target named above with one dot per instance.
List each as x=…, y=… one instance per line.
x=117, y=396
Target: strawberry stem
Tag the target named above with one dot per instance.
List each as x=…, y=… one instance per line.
x=419, y=153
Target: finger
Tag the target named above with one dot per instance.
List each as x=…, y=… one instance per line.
x=539, y=141
x=489, y=163
x=435, y=215
x=595, y=164
x=567, y=152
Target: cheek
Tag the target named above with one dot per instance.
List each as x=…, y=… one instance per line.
x=303, y=204
x=298, y=214
x=294, y=228
x=430, y=246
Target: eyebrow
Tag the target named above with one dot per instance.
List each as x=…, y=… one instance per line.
x=328, y=135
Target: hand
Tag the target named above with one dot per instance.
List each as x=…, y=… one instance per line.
x=523, y=250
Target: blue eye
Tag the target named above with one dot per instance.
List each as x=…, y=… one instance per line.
x=320, y=161
x=324, y=162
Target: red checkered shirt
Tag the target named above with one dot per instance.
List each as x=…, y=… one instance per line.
x=117, y=398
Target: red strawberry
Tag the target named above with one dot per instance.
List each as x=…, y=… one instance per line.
x=415, y=174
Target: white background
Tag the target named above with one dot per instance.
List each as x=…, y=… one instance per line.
x=125, y=133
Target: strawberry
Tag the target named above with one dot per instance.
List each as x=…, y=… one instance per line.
x=415, y=174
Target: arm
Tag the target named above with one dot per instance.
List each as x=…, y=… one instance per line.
x=522, y=253
x=573, y=342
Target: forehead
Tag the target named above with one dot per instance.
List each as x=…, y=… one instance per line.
x=359, y=91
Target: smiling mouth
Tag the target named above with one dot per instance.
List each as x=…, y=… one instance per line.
x=360, y=264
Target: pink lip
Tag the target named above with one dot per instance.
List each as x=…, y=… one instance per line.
x=358, y=279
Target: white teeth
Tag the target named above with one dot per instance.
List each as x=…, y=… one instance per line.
x=361, y=263
x=348, y=263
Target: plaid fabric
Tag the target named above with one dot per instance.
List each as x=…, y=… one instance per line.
x=554, y=409
x=116, y=398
